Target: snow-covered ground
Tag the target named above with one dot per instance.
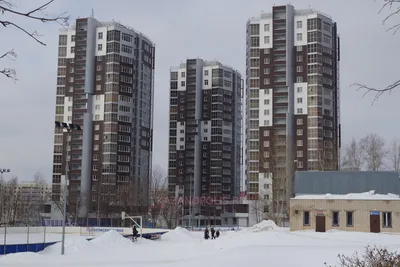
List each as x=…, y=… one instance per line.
x=263, y=244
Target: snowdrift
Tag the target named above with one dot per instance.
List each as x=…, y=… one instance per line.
x=178, y=234
x=266, y=225
x=111, y=238
x=72, y=245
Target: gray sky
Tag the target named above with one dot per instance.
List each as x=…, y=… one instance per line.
x=182, y=29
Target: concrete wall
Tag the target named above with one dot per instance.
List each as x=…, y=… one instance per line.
x=361, y=215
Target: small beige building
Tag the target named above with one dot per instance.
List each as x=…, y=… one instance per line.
x=362, y=212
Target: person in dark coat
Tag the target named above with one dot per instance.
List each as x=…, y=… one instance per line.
x=217, y=233
x=212, y=233
x=134, y=232
x=206, y=234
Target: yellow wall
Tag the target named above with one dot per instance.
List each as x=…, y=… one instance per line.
x=361, y=209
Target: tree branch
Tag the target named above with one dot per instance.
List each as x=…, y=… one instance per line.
x=378, y=92
x=60, y=19
x=389, y=88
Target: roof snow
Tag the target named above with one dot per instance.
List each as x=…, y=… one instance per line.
x=359, y=196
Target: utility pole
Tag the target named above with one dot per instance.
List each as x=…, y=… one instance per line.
x=69, y=127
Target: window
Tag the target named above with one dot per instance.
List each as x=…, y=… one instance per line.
x=100, y=35
x=266, y=132
x=299, y=79
x=266, y=71
x=96, y=137
x=72, y=49
x=335, y=218
x=299, y=89
x=266, y=60
x=306, y=218
x=299, y=24
x=97, y=127
x=205, y=82
x=266, y=39
x=299, y=164
x=299, y=132
x=266, y=143
x=349, y=218
x=299, y=142
x=266, y=27
x=266, y=81
x=183, y=74
x=387, y=219
x=266, y=101
x=299, y=48
x=99, y=47
x=299, y=121
x=299, y=58
x=299, y=37
x=266, y=111
x=299, y=111
x=73, y=38
x=206, y=73
x=299, y=100
x=182, y=82
x=299, y=68
x=299, y=154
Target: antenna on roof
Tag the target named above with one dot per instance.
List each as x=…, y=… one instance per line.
x=92, y=13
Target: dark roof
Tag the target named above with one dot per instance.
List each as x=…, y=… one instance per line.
x=346, y=182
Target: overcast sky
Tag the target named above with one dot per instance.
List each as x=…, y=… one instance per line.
x=183, y=29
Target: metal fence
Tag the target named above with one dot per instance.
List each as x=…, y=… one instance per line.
x=22, y=239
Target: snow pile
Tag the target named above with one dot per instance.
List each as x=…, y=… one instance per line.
x=359, y=196
x=71, y=245
x=266, y=225
x=111, y=238
x=178, y=234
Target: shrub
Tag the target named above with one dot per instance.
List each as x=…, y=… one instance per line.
x=372, y=257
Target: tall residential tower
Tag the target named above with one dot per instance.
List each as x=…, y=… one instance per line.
x=205, y=143
x=292, y=112
x=105, y=84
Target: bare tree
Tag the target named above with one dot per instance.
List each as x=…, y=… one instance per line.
x=395, y=154
x=353, y=156
x=274, y=164
x=394, y=9
x=158, y=193
x=171, y=212
x=374, y=152
x=72, y=210
x=260, y=208
x=11, y=201
x=33, y=199
x=36, y=14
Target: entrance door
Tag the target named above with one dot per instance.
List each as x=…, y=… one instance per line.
x=320, y=223
x=375, y=223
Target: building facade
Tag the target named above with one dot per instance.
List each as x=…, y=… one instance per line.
x=105, y=83
x=205, y=138
x=292, y=87
x=362, y=212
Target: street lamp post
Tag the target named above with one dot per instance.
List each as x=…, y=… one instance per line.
x=2, y=188
x=69, y=127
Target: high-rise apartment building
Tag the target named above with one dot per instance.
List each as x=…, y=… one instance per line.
x=205, y=138
x=105, y=84
x=293, y=121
